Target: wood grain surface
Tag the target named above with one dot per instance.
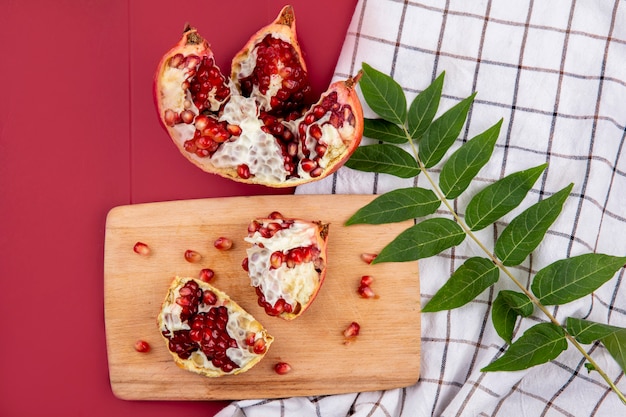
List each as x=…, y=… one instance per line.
x=385, y=355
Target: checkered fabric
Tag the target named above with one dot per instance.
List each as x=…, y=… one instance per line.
x=555, y=72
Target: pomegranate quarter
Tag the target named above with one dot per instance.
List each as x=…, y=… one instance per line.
x=208, y=333
x=286, y=263
x=260, y=125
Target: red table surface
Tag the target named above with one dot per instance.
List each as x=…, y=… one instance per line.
x=78, y=136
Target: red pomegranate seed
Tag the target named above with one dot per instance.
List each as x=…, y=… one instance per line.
x=275, y=215
x=202, y=122
x=223, y=243
x=250, y=336
x=207, y=274
x=209, y=297
x=308, y=165
x=367, y=280
x=368, y=257
x=243, y=171
x=259, y=346
x=276, y=259
x=319, y=111
x=176, y=60
x=142, y=346
x=244, y=264
x=141, y=248
x=170, y=117
x=352, y=330
x=320, y=150
x=278, y=308
x=292, y=149
x=366, y=291
x=192, y=256
x=253, y=226
x=316, y=172
x=335, y=120
x=187, y=116
x=274, y=227
x=282, y=368
x=234, y=130
x=316, y=131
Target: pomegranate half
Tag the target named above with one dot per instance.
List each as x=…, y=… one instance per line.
x=259, y=125
x=208, y=333
x=286, y=263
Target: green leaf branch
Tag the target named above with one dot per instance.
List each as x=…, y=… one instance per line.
x=429, y=140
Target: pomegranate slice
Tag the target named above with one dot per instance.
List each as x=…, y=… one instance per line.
x=208, y=333
x=286, y=263
x=258, y=126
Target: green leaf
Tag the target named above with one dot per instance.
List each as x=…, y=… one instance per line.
x=612, y=337
x=527, y=230
x=507, y=307
x=587, y=331
x=590, y=367
x=569, y=279
x=442, y=133
x=499, y=198
x=424, y=107
x=467, y=282
x=465, y=162
x=396, y=206
x=385, y=159
x=425, y=239
x=539, y=344
x=381, y=129
x=383, y=95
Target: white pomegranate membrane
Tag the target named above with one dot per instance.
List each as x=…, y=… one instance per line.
x=259, y=126
x=286, y=263
x=209, y=333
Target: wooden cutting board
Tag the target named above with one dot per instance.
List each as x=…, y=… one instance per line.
x=385, y=355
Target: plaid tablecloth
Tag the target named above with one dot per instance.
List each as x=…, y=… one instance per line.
x=555, y=71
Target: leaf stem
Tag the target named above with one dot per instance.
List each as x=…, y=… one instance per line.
x=506, y=271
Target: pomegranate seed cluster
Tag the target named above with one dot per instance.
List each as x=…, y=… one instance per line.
x=284, y=263
x=205, y=328
x=282, y=94
x=260, y=125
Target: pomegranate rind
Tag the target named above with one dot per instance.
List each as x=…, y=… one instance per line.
x=308, y=287
x=191, y=43
x=248, y=324
x=283, y=28
x=346, y=93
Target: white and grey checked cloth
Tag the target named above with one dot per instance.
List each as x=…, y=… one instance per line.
x=555, y=71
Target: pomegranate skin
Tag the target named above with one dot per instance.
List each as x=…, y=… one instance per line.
x=301, y=149
x=282, y=291
x=187, y=308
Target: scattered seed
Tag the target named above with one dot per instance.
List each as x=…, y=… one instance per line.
x=368, y=257
x=351, y=332
x=365, y=289
x=142, y=346
x=282, y=368
x=207, y=274
x=192, y=256
x=223, y=243
x=142, y=249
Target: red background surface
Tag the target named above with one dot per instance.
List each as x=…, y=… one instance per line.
x=78, y=136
